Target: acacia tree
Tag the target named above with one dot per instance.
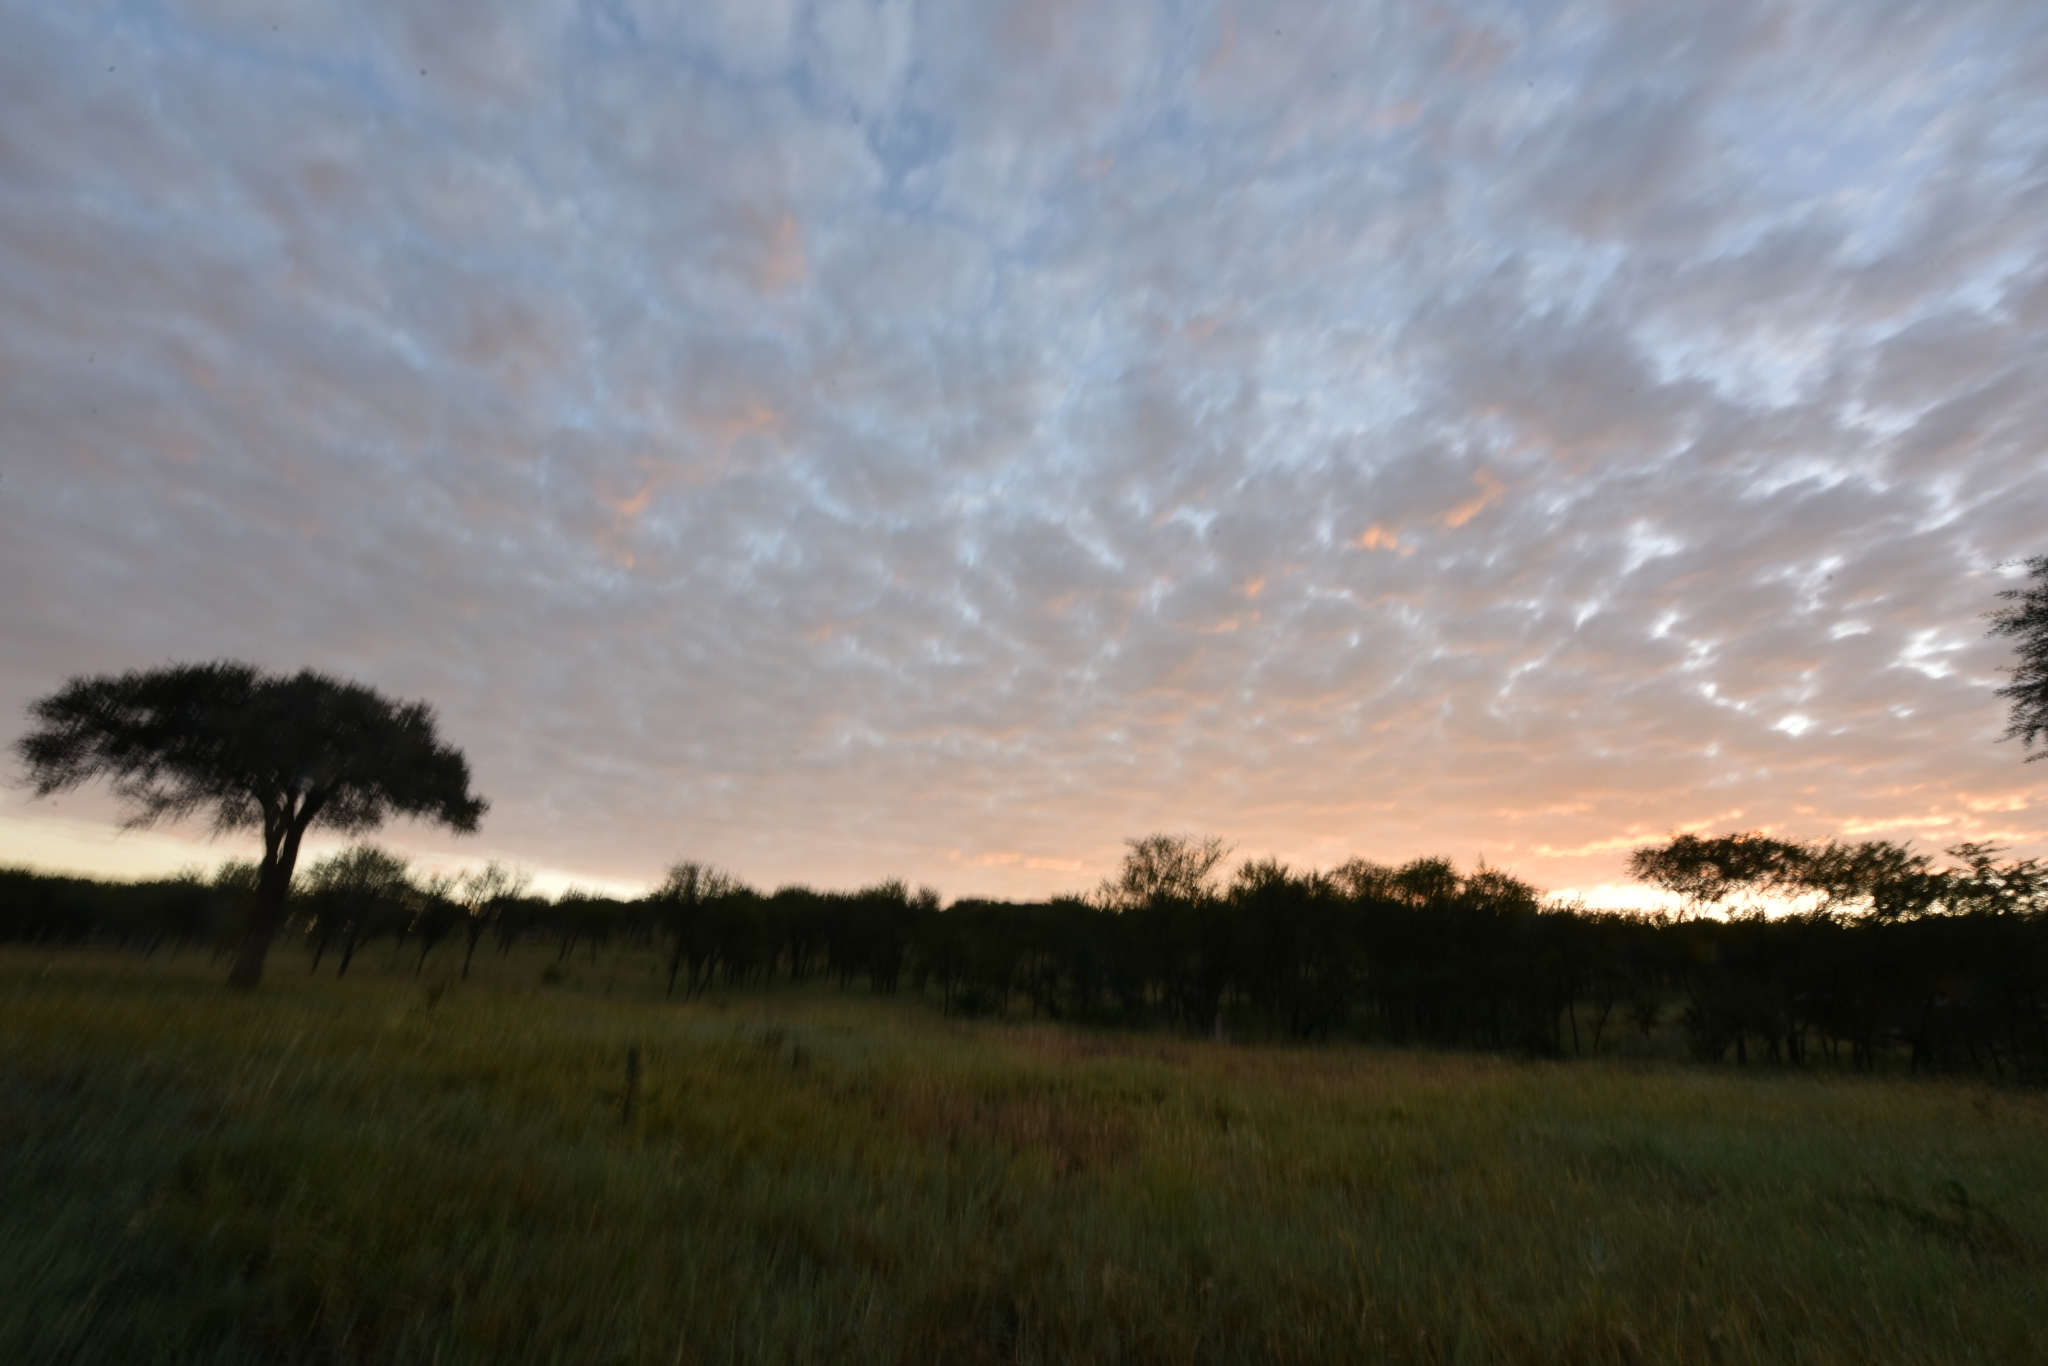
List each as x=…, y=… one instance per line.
x=253, y=750
x=2028, y=624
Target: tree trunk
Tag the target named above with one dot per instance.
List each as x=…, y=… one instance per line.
x=263, y=926
x=273, y=884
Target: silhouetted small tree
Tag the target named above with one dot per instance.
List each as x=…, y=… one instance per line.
x=353, y=896
x=484, y=896
x=435, y=914
x=682, y=904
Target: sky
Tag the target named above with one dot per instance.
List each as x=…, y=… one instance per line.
x=849, y=440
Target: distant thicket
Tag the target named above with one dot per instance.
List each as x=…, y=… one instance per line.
x=1870, y=952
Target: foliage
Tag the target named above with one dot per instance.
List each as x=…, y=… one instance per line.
x=2027, y=624
x=254, y=750
x=1164, y=869
x=1709, y=871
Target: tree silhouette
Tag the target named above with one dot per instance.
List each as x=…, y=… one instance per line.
x=434, y=914
x=2028, y=692
x=257, y=751
x=483, y=895
x=1708, y=871
x=354, y=895
x=1164, y=868
x=680, y=902
x=1166, y=891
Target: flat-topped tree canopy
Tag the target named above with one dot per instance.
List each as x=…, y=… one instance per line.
x=282, y=754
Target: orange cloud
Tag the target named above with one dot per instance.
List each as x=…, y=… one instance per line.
x=1011, y=858
x=1602, y=846
x=1490, y=489
x=628, y=508
x=1377, y=537
x=1872, y=826
x=753, y=418
x=783, y=263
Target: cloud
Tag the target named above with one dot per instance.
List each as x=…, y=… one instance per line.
x=866, y=50
x=749, y=37
x=825, y=438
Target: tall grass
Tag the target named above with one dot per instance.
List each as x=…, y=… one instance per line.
x=401, y=1169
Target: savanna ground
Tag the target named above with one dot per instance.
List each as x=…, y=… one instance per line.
x=399, y=1169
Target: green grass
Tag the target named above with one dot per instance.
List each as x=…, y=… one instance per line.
x=380, y=1170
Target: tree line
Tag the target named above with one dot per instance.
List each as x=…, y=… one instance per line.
x=1796, y=954
x=1879, y=952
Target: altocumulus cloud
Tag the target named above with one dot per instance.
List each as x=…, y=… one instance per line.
x=851, y=439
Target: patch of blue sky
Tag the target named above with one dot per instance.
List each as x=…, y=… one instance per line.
x=1877, y=422
x=1767, y=478
x=167, y=39
x=1924, y=651
x=1987, y=290
x=1757, y=368
x=905, y=141
x=1648, y=542
x=1942, y=503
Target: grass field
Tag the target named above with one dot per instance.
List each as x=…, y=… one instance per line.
x=406, y=1170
